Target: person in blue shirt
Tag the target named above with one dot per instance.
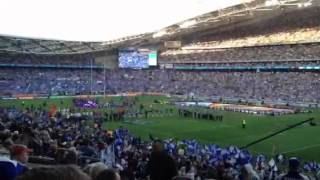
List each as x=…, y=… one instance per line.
x=12, y=168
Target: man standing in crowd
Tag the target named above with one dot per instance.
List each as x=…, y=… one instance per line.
x=161, y=166
x=293, y=173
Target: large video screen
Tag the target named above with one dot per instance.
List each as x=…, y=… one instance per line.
x=137, y=58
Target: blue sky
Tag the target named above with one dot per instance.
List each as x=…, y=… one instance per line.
x=97, y=20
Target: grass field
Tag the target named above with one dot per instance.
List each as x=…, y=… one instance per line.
x=302, y=141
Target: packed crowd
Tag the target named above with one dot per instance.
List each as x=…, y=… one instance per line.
x=271, y=64
x=45, y=82
x=303, y=35
x=104, y=154
x=285, y=86
x=249, y=54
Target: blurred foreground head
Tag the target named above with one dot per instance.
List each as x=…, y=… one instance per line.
x=294, y=164
x=108, y=174
x=20, y=153
x=95, y=169
x=68, y=172
x=157, y=146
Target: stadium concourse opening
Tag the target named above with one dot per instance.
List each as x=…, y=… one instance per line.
x=229, y=94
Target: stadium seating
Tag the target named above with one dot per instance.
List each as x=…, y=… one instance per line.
x=286, y=86
x=303, y=35
x=301, y=52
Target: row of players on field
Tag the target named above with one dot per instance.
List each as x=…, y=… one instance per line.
x=120, y=113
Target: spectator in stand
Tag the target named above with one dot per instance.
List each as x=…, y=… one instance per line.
x=86, y=149
x=20, y=153
x=11, y=168
x=161, y=166
x=293, y=173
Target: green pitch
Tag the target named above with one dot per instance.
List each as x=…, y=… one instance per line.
x=302, y=141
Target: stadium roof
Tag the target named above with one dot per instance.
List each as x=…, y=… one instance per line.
x=45, y=46
x=248, y=11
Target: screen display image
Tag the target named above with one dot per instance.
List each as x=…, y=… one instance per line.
x=152, y=59
x=137, y=58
